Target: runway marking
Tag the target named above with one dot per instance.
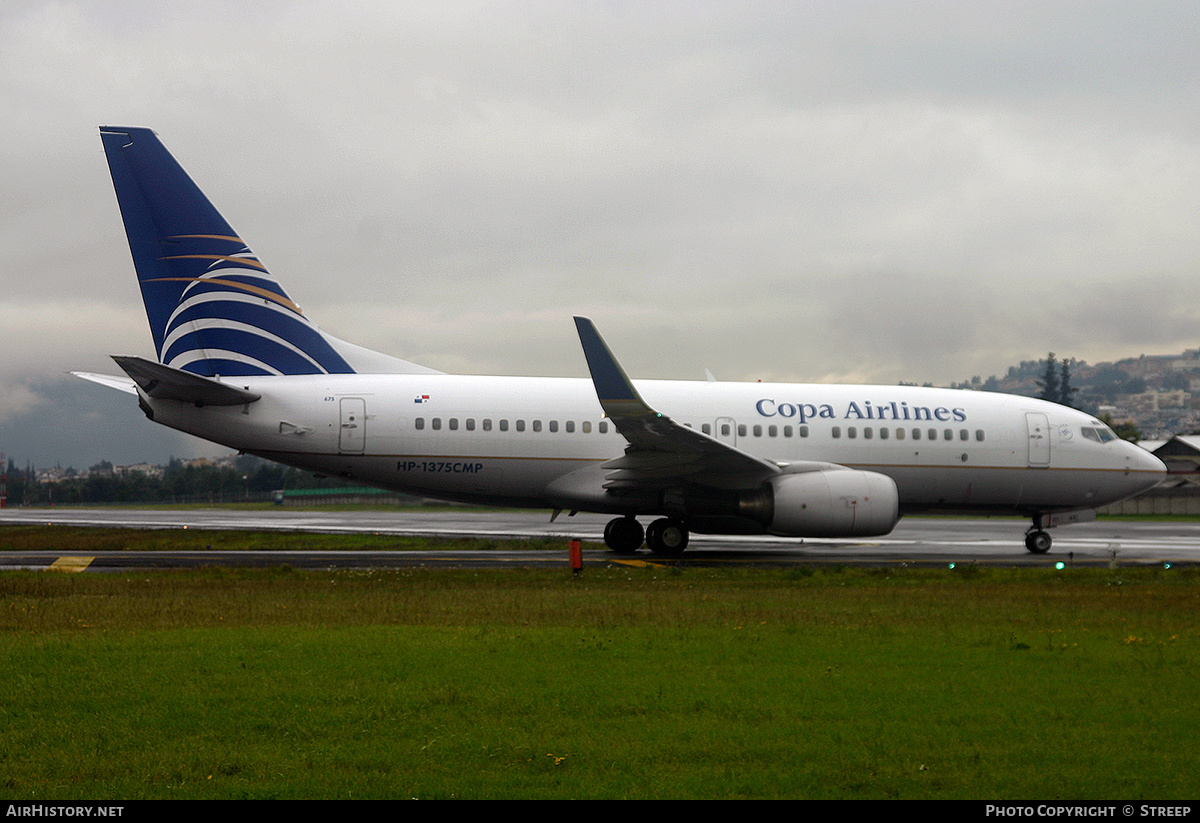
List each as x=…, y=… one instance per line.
x=71, y=564
x=639, y=564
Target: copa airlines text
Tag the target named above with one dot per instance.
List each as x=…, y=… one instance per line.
x=803, y=412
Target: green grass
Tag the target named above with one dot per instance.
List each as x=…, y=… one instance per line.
x=623, y=683
x=84, y=540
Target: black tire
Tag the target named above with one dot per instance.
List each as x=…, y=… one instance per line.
x=667, y=537
x=624, y=535
x=1038, y=542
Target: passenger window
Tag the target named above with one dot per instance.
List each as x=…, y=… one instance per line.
x=570, y=427
x=470, y=424
x=487, y=424
x=804, y=431
x=787, y=431
x=836, y=432
x=979, y=435
x=772, y=431
x=603, y=427
x=453, y=424
x=587, y=426
x=503, y=425
x=520, y=425
x=900, y=434
x=419, y=424
x=707, y=429
x=537, y=425
x=868, y=433
x=553, y=425
x=757, y=431
x=437, y=424
x=916, y=434
x=851, y=432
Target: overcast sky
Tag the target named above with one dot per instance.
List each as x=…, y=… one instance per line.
x=812, y=191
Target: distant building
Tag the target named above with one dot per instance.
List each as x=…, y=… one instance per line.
x=1152, y=401
x=155, y=472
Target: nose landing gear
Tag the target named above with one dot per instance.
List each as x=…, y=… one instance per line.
x=1038, y=541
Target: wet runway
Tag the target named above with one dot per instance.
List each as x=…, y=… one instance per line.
x=916, y=541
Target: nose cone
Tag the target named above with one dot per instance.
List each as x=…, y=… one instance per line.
x=1143, y=469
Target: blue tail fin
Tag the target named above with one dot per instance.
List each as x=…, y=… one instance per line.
x=213, y=307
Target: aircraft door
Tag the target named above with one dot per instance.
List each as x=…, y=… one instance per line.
x=725, y=430
x=1039, y=438
x=352, y=436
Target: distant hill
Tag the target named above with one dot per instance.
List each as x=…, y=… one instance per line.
x=1155, y=392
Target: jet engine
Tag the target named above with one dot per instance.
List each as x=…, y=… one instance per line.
x=837, y=503
x=831, y=502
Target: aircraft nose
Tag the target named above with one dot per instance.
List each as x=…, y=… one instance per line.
x=1148, y=470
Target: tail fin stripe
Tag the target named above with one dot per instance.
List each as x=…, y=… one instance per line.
x=268, y=318
x=268, y=321
x=225, y=305
x=232, y=284
x=224, y=257
x=208, y=237
x=273, y=353
x=225, y=366
x=191, y=339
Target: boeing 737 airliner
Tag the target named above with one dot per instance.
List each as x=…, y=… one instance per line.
x=238, y=363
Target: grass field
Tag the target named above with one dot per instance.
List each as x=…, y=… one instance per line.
x=623, y=683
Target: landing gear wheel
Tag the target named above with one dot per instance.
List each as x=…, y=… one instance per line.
x=1038, y=541
x=667, y=537
x=624, y=535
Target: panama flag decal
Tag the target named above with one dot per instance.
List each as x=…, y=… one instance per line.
x=421, y=398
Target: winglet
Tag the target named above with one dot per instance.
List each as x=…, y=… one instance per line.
x=649, y=431
x=615, y=390
x=611, y=381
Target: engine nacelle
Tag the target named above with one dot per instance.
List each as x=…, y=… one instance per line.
x=836, y=503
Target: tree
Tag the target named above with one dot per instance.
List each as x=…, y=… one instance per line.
x=1049, y=381
x=1066, y=392
x=1056, y=382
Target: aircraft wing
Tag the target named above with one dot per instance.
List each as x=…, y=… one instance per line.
x=661, y=453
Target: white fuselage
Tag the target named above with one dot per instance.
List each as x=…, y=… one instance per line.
x=511, y=439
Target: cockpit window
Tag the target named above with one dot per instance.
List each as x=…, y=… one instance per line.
x=1101, y=434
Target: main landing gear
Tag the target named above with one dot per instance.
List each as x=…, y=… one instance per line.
x=666, y=536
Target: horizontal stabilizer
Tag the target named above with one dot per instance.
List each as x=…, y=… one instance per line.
x=119, y=383
x=168, y=383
